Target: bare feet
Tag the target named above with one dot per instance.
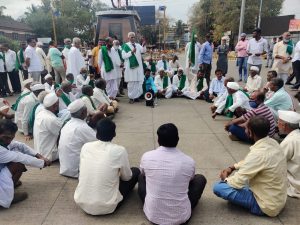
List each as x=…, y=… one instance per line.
x=214, y=115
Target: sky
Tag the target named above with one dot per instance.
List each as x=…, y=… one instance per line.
x=177, y=9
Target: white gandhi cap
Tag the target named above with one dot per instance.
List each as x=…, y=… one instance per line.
x=289, y=116
x=37, y=87
x=233, y=85
x=50, y=100
x=254, y=68
x=76, y=106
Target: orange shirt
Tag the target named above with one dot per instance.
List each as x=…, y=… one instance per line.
x=95, y=53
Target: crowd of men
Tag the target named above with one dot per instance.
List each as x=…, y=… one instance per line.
x=69, y=116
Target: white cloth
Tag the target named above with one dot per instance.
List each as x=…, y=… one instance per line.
x=62, y=105
x=291, y=150
x=45, y=132
x=239, y=100
x=220, y=102
x=253, y=83
x=158, y=81
x=115, y=58
x=187, y=52
x=81, y=81
x=278, y=65
x=112, y=88
x=73, y=136
x=136, y=74
x=35, y=61
x=192, y=91
x=29, y=102
x=48, y=87
x=10, y=60
x=100, y=97
x=89, y=57
x=296, y=52
x=42, y=55
x=255, y=47
x=75, y=62
x=88, y=105
x=174, y=65
x=160, y=64
x=135, y=89
x=102, y=164
x=20, y=110
x=65, y=52
x=176, y=83
x=2, y=70
x=15, y=152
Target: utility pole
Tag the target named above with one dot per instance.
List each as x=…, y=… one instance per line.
x=165, y=27
x=242, y=16
x=53, y=22
x=259, y=16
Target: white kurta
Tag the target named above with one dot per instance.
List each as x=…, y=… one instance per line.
x=48, y=87
x=65, y=52
x=291, y=150
x=99, y=97
x=15, y=152
x=220, y=102
x=160, y=64
x=192, y=91
x=239, y=100
x=159, y=83
x=73, y=136
x=81, y=81
x=176, y=83
x=102, y=164
x=75, y=62
x=88, y=104
x=46, y=131
x=187, y=52
x=29, y=102
x=20, y=110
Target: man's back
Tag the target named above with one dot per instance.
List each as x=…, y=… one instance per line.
x=168, y=172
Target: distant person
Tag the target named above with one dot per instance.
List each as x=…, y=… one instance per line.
x=168, y=185
x=43, y=58
x=163, y=84
x=270, y=58
x=4, y=88
x=254, y=81
x=242, y=57
x=21, y=60
x=222, y=51
x=205, y=57
x=95, y=59
x=216, y=86
x=188, y=63
x=259, y=183
x=66, y=50
x=105, y=178
x=270, y=75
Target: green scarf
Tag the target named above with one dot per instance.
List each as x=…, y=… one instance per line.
x=67, y=46
x=2, y=56
x=17, y=65
x=22, y=59
x=290, y=47
x=229, y=102
x=120, y=55
x=108, y=64
x=32, y=118
x=94, y=107
x=182, y=82
x=133, y=63
x=153, y=67
x=15, y=106
x=165, y=65
x=92, y=83
x=200, y=83
x=165, y=82
x=192, y=49
x=65, y=99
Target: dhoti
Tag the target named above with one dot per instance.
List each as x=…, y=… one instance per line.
x=112, y=88
x=135, y=89
x=191, y=94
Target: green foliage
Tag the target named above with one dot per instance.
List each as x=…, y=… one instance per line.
x=13, y=45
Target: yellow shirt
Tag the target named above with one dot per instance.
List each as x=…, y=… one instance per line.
x=95, y=53
x=265, y=171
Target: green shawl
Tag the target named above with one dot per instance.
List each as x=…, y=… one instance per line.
x=200, y=84
x=108, y=64
x=290, y=47
x=182, y=82
x=165, y=64
x=32, y=118
x=165, y=82
x=133, y=63
x=120, y=55
x=94, y=107
x=2, y=57
x=192, y=49
x=15, y=106
x=229, y=102
x=65, y=99
x=67, y=46
x=22, y=59
x=153, y=67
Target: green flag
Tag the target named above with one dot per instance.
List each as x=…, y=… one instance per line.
x=192, y=49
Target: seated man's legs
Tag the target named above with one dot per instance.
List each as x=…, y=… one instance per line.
x=239, y=132
x=196, y=187
x=92, y=120
x=169, y=92
x=16, y=170
x=142, y=187
x=242, y=197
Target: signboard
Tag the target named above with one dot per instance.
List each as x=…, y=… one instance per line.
x=294, y=25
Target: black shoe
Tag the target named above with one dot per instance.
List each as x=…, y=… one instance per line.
x=19, y=197
x=136, y=100
x=119, y=95
x=288, y=83
x=131, y=101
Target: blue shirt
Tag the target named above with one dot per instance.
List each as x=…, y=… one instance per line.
x=149, y=82
x=217, y=86
x=206, y=53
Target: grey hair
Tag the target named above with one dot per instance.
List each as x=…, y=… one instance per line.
x=76, y=40
x=116, y=42
x=131, y=34
x=292, y=126
x=78, y=114
x=42, y=95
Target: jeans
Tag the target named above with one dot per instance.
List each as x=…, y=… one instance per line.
x=4, y=84
x=242, y=64
x=241, y=197
x=207, y=71
x=239, y=132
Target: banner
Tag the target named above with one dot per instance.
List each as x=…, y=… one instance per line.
x=294, y=25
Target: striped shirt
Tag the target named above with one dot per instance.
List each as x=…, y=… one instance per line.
x=262, y=110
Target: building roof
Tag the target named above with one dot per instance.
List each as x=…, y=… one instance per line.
x=11, y=24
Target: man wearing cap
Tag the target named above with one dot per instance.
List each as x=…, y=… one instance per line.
x=18, y=107
x=197, y=87
x=237, y=126
x=180, y=83
x=47, y=127
x=257, y=46
x=281, y=100
x=242, y=57
x=163, y=84
x=259, y=183
x=73, y=136
x=49, y=84
x=134, y=72
x=75, y=58
x=163, y=63
x=254, y=81
x=30, y=102
x=288, y=124
x=282, y=54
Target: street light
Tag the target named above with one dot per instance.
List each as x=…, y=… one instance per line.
x=259, y=15
x=242, y=17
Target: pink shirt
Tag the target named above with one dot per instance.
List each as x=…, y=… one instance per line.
x=168, y=172
x=241, y=48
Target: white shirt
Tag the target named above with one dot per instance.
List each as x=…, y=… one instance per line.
x=42, y=56
x=20, y=110
x=88, y=105
x=29, y=102
x=99, y=97
x=75, y=62
x=2, y=70
x=176, y=83
x=48, y=87
x=296, y=52
x=160, y=64
x=115, y=58
x=239, y=100
x=291, y=150
x=158, y=81
x=35, y=61
x=46, y=131
x=255, y=47
x=73, y=136
x=80, y=81
x=65, y=52
x=102, y=164
x=89, y=54
x=253, y=83
x=10, y=60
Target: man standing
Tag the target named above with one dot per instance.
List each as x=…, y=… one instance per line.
x=163, y=63
x=205, y=57
x=257, y=46
x=188, y=57
x=73, y=136
x=296, y=66
x=21, y=61
x=33, y=61
x=282, y=54
x=119, y=69
x=109, y=61
x=259, y=184
x=3, y=74
x=95, y=59
x=104, y=172
x=66, y=50
x=57, y=64
x=288, y=124
x=47, y=128
x=242, y=57
x=168, y=186
x=43, y=59
x=270, y=53
x=134, y=72
x=75, y=59
x=13, y=72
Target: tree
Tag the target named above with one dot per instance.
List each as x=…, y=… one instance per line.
x=2, y=8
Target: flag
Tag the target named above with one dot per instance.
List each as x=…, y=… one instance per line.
x=162, y=8
x=192, y=49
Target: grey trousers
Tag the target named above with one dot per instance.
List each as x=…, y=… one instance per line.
x=60, y=74
x=36, y=75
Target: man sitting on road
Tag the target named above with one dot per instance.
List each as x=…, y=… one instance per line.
x=216, y=86
x=163, y=84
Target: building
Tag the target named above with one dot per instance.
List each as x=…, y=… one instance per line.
x=15, y=30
